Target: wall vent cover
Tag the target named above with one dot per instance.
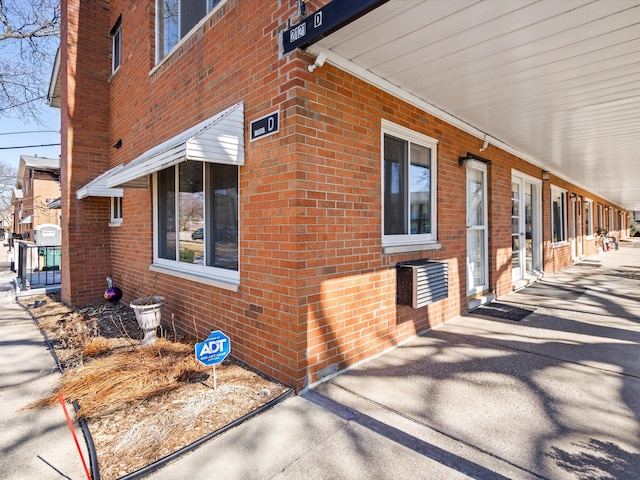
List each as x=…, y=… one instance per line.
x=421, y=282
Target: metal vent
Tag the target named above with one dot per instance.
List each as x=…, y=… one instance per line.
x=422, y=282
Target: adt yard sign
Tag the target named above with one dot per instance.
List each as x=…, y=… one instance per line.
x=214, y=349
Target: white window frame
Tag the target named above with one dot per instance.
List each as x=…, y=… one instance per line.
x=116, y=45
x=116, y=212
x=600, y=220
x=411, y=242
x=589, y=226
x=211, y=9
x=215, y=276
x=613, y=219
x=564, y=240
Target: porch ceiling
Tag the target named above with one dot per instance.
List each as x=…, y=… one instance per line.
x=557, y=82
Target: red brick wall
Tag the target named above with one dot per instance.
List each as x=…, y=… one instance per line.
x=45, y=186
x=85, y=55
x=316, y=293
x=38, y=186
x=212, y=70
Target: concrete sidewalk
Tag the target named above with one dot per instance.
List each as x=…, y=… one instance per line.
x=553, y=396
x=34, y=444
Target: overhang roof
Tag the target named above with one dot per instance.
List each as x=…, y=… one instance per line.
x=98, y=186
x=219, y=139
x=53, y=96
x=555, y=82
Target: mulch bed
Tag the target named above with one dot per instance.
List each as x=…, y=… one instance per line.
x=141, y=402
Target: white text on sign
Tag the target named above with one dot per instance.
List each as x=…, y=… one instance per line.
x=213, y=346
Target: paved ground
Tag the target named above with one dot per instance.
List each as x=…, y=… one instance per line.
x=553, y=396
x=35, y=444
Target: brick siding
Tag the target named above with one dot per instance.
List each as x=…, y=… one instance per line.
x=316, y=292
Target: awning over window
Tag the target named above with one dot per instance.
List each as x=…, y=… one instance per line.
x=26, y=220
x=220, y=139
x=98, y=186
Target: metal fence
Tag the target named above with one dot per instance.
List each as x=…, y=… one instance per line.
x=38, y=266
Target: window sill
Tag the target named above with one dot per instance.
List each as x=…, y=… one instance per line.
x=396, y=249
x=113, y=73
x=115, y=224
x=225, y=284
x=560, y=244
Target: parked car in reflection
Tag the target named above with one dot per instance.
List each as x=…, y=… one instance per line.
x=198, y=234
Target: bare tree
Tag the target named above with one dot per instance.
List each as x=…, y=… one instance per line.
x=29, y=35
x=8, y=177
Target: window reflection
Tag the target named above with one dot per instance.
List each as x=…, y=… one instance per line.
x=191, y=213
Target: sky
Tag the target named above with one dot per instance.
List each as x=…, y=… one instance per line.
x=11, y=135
x=11, y=129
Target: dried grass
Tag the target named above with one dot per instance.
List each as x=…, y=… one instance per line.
x=106, y=383
x=142, y=402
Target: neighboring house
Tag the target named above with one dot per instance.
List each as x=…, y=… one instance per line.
x=277, y=198
x=38, y=182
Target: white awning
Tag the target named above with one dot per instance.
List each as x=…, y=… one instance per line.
x=26, y=220
x=98, y=186
x=220, y=139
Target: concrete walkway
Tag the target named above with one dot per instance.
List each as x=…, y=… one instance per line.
x=34, y=444
x=553, y=396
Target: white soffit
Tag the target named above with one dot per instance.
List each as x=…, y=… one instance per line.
x=219, y=139
x=556, y=82
x=98, y=186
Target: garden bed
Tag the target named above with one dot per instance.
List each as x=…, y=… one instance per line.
x=142, y=403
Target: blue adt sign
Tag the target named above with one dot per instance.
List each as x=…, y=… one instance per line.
x=214, y=349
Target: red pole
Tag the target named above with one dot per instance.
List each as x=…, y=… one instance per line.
x=73, y=432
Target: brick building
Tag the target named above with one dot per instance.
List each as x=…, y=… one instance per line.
x=38, y=183
x=276, y=197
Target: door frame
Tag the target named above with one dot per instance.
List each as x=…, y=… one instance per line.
x=482, y=167
x=536, y=272
x=577, y=227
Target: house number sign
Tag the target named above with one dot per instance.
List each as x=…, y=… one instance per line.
x=265, y=126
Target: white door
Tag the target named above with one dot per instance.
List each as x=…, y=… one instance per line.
x=517, y=230
x=576, y=208
x=477, y=234
x=526, y=228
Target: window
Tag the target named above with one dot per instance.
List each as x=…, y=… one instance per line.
x=588, y=218
x=558, y=215
x=197, y=218
x=600, y=217
x=116, y=48
x=116, y=211
x=175, y=18
x=409, y=175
